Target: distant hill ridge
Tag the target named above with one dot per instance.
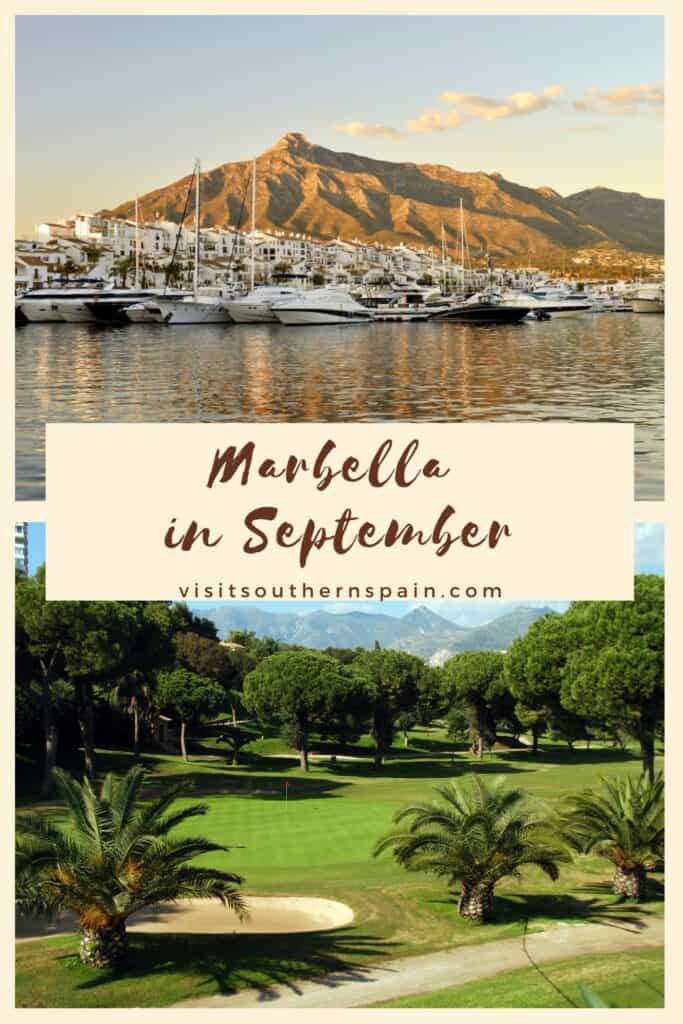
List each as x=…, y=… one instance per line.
x=420, y=631
x=302, y=187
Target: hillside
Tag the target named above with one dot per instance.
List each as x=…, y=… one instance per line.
x=421, y=631
x=302, y=187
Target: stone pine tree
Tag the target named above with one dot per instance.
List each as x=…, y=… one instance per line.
x=393, y=679
x=474, y=680
x=188, y=698
x=299, y=690
x=615, y=668
x=533, y=672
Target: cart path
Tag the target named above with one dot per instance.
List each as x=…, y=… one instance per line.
x=433, y=971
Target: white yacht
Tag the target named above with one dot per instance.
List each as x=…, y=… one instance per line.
x=322, y=306
x=57, y=304
x=148, y=311
x=257, y=306
x=193, y=309
x=548, y=302
x=649, y=299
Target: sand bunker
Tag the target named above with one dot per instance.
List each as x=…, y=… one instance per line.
x=267, y=915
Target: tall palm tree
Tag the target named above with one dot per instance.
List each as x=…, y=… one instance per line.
x=113, y=857
x=624, y=822
x=475, y=835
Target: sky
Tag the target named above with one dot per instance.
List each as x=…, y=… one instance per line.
x=111, y=106
x=648, y=557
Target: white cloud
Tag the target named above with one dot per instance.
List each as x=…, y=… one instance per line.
x=625, y=99
x=363, y=128
x=435, y=121
x=485, y=108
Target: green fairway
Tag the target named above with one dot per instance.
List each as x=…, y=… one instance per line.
x=318, y=842
x=630, y=980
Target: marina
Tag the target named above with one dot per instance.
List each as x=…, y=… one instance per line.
x=597, y=367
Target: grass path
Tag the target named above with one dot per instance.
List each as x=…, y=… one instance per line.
x=407, y=976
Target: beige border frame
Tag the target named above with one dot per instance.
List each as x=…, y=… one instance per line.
x=668, y=511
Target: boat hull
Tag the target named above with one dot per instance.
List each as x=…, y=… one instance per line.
x=37, y=312
x=74, y=312
x=251, y=313
x=483, y=314
x=309, y=317
x=648, y=306
x=177, y=313
x=141, y=314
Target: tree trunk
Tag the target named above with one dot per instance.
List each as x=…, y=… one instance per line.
x=183, y=748
x=86, y=726
x=105, y=946
x=49, y=728
x=303, y=752
x=630, y=883
x=476, y=902
x=136, y=729
x=51, y=737
x=234, y=717
x=480, y=747
x=647, y=753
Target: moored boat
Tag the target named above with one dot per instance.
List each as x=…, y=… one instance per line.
x=483, y=309
x=322, y=306
x=649, y=299
x=257, y=306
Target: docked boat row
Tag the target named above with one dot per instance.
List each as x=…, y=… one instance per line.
x=96, y=302
x=298, y=307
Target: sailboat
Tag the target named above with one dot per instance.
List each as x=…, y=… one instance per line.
x=257, y=306
x=191, y=309
x=483, y=308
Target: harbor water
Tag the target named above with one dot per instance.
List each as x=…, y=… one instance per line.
x=605, y=367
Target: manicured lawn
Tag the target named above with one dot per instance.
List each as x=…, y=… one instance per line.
x=319, y=843
x=630, y=980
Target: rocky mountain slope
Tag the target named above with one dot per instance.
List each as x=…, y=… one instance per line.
x=302, y=187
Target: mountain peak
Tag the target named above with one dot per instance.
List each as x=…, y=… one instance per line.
x=291, y=140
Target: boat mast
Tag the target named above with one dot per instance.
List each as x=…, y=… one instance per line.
x=443, y=260
x=137, y=248
x=253, y=224
x=462, y=247
x=196, y=231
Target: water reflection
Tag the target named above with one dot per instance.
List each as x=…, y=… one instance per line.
x=606, y=367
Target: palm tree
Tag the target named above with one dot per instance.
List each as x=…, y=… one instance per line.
x=111, y=859
x=477, y=835
x=623, y=822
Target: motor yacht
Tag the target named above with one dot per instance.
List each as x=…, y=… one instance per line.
x=322, y=306
x=483, y=308
x=56, y=304
x=257, y=306
x=548, y=303
x=649, y=299
x=192, y=309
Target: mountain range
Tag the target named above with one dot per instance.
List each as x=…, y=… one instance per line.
x=421, y=631
x=305, y=188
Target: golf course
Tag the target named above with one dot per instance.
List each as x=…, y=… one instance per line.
x=311, y=834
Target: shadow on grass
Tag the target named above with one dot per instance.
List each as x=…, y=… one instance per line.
x=591, y=904
x=422, y=769
x=224, y=964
